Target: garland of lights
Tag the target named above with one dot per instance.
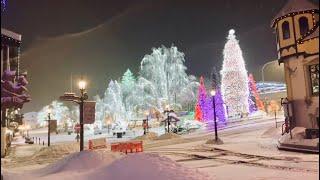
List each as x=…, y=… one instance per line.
x=315, y=25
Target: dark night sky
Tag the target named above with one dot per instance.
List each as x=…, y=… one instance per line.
x=102, y=38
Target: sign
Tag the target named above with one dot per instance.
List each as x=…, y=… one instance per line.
x=53, y=126
x=89, y=110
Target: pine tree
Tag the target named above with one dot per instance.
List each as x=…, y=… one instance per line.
x=127, y=86
x=202, y=99
x=220, y=109
x=253, y=90
x=215, y=77
x=198, y=113
x=234, y=79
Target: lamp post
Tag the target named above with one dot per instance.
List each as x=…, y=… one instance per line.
x=49, y=118
x=167, y=110
x=146, y=126
x=83, y=97
x=213, y=94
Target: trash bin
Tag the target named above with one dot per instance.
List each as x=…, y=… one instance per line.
x=119, y=134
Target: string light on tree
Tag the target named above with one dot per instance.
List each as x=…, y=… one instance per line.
x=234, y=79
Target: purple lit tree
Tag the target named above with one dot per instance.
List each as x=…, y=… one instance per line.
x=220, y=110
x=206, y=106
x=202, y=99
x=3, y=5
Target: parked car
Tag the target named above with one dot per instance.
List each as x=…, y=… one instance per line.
x=28, y=140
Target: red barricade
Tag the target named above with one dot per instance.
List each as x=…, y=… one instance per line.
x=127, y=147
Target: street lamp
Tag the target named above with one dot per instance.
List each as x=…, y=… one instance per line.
x=167, y=110
x=146, y=126
x=49, y=118
x=79, y=100
x=216, y=139
x=83, y=96
x=28, y=128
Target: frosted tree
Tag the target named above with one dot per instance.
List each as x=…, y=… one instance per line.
x=127, y=85
x=59, y=112
x=234, y=79
x=100, y=109
x=163, y=77
x=113, y=102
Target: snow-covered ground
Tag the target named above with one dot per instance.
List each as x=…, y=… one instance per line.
x=249, y=152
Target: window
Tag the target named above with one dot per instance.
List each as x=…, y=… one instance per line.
x=314, y=78
x=304, y=26
x=285, y=30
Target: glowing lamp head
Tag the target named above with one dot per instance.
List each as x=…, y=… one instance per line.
x=167, y=107
x=213, y=92
x=146, y=113
x=82, y=85
x=49, y=111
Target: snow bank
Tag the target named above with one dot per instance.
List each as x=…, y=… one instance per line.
x=146, y=166
x=148, y=136
x=57, y=150
x=80, y=161
x=168, y=136
x=272, y=132
x=110, y=166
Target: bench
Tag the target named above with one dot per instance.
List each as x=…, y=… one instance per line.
x=127, y=147
x=97, y=143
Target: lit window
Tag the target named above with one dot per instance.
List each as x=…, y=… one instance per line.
x=314, y=78
x=285, y=30
x=304, y=26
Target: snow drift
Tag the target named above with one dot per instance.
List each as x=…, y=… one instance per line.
x=102, y=165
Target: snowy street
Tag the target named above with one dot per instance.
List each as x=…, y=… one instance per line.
x=247, y=148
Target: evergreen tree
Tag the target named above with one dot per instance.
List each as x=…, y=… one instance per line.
x=198, y=113
x=215, y=78
x=254, y=93
x=202, y=99
x=234, y=79
x=220, y=108
x=127, y=85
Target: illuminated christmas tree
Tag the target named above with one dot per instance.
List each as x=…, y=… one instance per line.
x=220, y=110
x=198, y=113
x=254, y=92
x=202, y=100
x=234, y=78
x=251, y=101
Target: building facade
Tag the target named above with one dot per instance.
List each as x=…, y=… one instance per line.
x=297, y=35
x=13, y=82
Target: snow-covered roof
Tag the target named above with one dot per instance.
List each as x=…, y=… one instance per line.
x=295, y=6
